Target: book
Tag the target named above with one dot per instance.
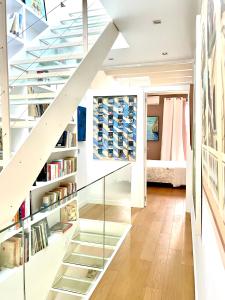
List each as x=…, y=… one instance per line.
x=39, y=236
x=60, y=227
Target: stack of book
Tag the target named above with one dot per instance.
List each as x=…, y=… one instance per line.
x=15, y=24
x=55, y=196
x=67, y=139
x=39, y=236
x=12, y=252
x=57, y=168
x=37, y=110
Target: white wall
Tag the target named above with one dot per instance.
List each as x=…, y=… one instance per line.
x=90, y=169
x=209, y=267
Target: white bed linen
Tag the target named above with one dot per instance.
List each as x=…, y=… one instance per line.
x=162, y=171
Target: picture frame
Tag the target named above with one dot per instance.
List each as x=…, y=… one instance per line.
x=153, y=128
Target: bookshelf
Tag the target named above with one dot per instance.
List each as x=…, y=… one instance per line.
x=52, y=214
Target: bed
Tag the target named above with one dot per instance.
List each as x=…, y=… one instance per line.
x=161, y=171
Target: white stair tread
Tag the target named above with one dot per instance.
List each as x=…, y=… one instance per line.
x=30, y=102
x=68, y=35
x=55, y=46
x=73, y=285
x=33, y=75
x=82, y=260
x=33, y=96
x=96, y=239
x=38, y=83
x=54, y=58
x=77, y=26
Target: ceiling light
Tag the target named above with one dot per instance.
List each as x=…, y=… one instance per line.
x=157, y=22
x=111, y=58
x=164, y=53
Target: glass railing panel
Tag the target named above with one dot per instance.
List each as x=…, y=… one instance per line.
x=14, y=255
x=117, y=205
x=89, y=243
x=53, y=222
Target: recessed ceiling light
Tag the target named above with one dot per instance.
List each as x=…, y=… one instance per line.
x=164, y=53
x=111, y=58
x=157, y=22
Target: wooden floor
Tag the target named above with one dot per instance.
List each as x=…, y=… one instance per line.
x=155, y=262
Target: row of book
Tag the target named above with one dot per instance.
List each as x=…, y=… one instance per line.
x=15, y=24
x=40, y=233
x=57, y=168
x=67, y=139
x=37, y=110
x=12, y=251
x=55, y=196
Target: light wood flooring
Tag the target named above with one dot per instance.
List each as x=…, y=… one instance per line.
x=155, y=262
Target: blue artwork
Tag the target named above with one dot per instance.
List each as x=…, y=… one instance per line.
x=115, y=128
x=152, y=128
x=81, y=123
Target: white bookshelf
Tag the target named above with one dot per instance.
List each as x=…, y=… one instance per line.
x=57, y=242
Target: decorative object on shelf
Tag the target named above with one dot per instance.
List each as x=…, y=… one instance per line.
x=81, y=123
x=153, y=128
x=115, y=127
x=69, y=212
x=60, y=227
x=38, y=6
x=57, y=196
x=15, y=24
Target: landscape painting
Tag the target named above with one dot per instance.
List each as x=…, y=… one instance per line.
x=153, y=128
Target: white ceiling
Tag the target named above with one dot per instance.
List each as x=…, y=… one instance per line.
x=147, y=41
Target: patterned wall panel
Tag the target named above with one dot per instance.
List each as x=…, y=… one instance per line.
x=115, y=128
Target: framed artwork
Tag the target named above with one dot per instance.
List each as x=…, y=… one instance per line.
x=213, y=110
x=114, y=136
x=38, y=6
x=153, y=128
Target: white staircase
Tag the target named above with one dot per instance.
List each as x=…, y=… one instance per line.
x=53, y=71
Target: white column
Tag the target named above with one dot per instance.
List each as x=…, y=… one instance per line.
x=4, y=87
x=85, y=25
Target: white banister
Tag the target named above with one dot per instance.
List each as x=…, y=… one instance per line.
x=18, y=176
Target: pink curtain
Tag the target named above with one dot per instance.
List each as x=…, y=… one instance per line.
x=167, y=130
x=174, y=130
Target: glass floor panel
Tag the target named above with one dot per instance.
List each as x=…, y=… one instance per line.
x=94, y=262
x=97, y=239
x=72, y=285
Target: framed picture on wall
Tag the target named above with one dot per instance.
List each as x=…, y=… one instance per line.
x=38, y=6
x=153, y=128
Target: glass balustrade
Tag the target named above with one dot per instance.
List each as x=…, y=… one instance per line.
x=66, y=244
